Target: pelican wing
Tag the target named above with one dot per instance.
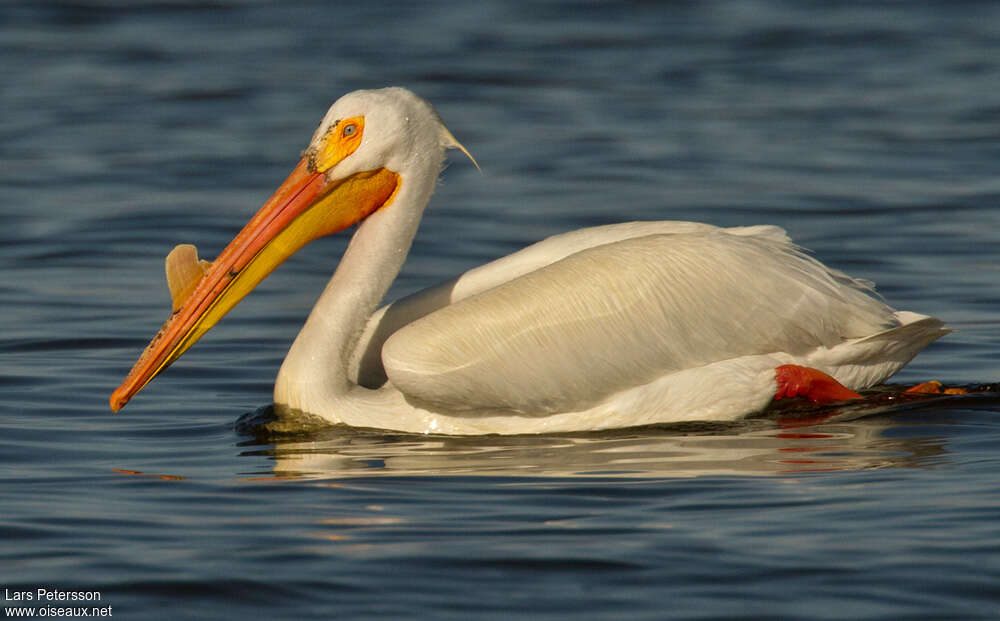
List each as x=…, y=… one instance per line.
x=366, y=366
x=613, y=316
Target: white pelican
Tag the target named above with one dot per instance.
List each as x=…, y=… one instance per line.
x=613, y=326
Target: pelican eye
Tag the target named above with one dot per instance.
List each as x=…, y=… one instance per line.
x=341, y=139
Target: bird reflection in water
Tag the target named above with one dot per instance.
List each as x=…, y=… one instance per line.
x=888, y=429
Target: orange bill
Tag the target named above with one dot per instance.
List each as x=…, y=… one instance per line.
x=306, y=206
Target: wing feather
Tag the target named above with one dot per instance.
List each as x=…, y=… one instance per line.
x=366, y=361
x=609, y=317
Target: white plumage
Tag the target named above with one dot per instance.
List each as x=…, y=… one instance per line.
x=622, y=314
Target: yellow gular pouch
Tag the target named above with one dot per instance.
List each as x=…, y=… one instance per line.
x=350, y=201
x=341, y=140
x=347, y=203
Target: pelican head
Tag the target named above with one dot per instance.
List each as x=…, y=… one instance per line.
x=369, y=148
x=387, y=128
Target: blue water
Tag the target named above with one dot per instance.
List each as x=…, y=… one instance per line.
x=871, y=131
